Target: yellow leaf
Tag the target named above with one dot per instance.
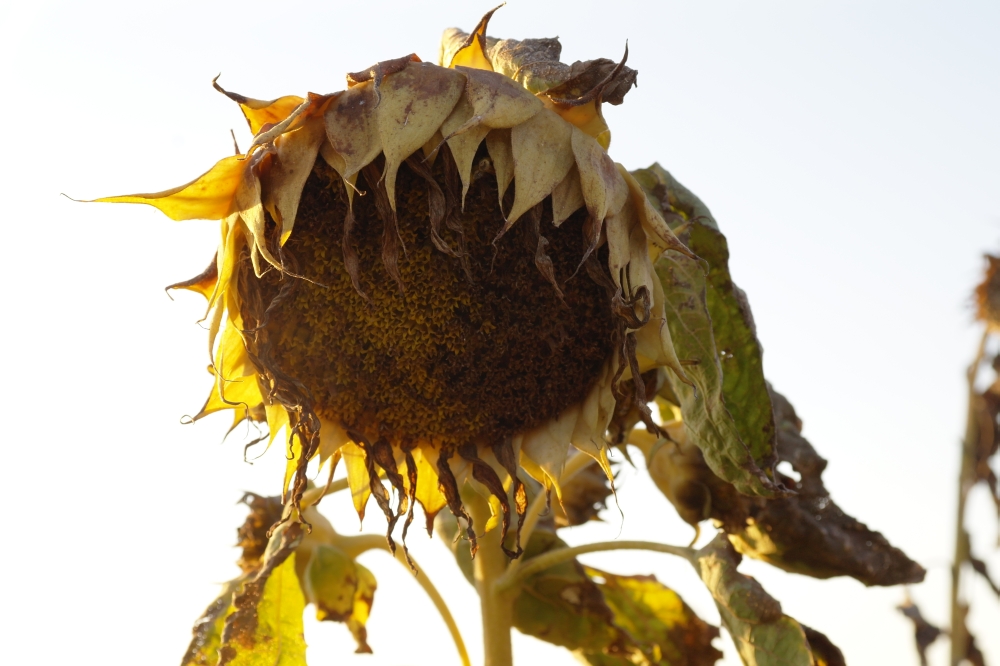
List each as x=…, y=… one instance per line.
x=277, y=638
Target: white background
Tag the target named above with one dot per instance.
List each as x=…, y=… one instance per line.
x=849, y=150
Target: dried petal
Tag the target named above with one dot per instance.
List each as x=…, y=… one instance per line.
x=415, y=102
x=543, y=155
x=352, y=128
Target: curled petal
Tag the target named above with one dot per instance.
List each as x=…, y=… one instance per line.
x=259, y=112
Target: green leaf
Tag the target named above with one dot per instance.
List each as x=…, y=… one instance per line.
x=728, y=410
x=264, y=627
x=657, y=621
x=708, y=421
x=342, y=591
x=763, y=635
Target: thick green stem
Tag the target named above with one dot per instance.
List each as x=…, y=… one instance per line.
x=550, y=559
x=959, y=636
x=489, y=565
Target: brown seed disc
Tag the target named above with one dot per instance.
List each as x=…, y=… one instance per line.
x=462, y=354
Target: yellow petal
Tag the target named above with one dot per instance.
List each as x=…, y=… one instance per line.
x=203, y=283
x=294, y=159
x=331, y=438
x=587, y=118
x=543, y=155
x=292, y=455
x=428, y=494
x=604, y=189
x=497, y=101
x=414, y=103
x=352, y=127
x=242, y=394
x=251, y=210
x=546, y=446
x=230, y=248
x=567, y=198
x=208, y=197
x=473, y=52
x=231, y=359
x=357, y=476
x=277, y=421
x=595, y=414
x=259, y=112
x=498, y=145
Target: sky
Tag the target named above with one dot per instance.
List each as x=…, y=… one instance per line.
x=850, y=151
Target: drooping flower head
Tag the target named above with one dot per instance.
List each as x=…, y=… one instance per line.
x=437, y=275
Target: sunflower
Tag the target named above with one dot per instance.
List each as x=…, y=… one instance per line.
x=437, y=276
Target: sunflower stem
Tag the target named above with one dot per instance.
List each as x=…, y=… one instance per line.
x=489, y=565
x=357, y=545
x=513, y=579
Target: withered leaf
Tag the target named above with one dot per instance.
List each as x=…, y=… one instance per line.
x=251, y=536
x=660, y=626
x=207, y=632
x=763, y=635
x=823, y=650
x=809, y=533
x=806, y=533
x=987, y=425
x=924, y=632
x=563, y=606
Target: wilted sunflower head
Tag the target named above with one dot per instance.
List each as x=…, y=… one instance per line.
x=437, y=275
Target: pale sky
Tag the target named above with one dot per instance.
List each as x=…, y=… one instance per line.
x=850, y=151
